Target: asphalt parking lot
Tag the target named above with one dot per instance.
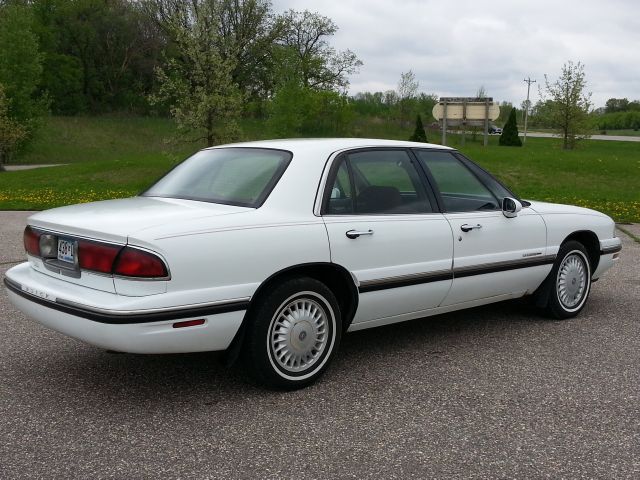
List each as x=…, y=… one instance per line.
x=493, y=392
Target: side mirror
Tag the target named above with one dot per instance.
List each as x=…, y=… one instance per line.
x=510, y=207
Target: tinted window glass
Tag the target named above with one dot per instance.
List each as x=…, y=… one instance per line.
x=386, y=182
x=235, y=176
x=340, y=196
x=496, y=187
x=460, y=189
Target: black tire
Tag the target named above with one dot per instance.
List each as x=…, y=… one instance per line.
x=311, y=340
x=562, y=298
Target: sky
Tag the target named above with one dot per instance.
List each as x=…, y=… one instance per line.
x=456, y=46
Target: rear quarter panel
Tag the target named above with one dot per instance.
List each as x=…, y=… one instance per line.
x=228, y=257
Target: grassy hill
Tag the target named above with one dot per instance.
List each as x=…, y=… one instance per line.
x=110, y=157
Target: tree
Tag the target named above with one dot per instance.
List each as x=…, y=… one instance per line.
x=570, y=105
x=407, y=92
x=247, y=31
x=298, y=109
x=504, y=108
x=616, y=105
x=419, y=134
x=11, y=132
x=540, y=113
x=98, y=55
x=21, y=68
x=426, y=102
x=319, y=65
x=197, y=83
x=408, y=85
x=509, y=137
x=370, y=104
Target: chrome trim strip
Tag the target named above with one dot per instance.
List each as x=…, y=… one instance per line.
x=611, y=249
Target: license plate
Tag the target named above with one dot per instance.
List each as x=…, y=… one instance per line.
x=66, y=251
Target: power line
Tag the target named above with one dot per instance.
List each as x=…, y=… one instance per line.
x=526, y=109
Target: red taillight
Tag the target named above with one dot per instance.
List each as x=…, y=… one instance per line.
x=98, y=257
x=32, y=241
x=137, y=263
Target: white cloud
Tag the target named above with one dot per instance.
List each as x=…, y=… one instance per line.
x=454, y=47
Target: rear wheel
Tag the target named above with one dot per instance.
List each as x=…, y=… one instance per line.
x=292, y=334
x=568, y=285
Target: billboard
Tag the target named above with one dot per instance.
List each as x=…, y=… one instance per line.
x=465, y=111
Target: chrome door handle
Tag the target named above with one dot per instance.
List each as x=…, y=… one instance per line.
x=356, y=233
x=467, y=228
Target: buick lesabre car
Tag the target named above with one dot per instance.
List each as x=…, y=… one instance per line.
x=273, y=250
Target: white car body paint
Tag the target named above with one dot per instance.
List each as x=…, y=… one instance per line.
x=219, y=255
x=395, y=250
x=500, y=239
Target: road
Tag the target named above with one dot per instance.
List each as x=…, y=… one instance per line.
x=616, y=138
x=493, y=392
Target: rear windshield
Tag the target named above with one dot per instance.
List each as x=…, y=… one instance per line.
x=233, y=176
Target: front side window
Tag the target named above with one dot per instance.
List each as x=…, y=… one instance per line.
x=460, y=189
x=498, y=190
x=232, y=176
x=376, y=182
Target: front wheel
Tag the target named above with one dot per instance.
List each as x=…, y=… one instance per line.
x=292, y=334
x=568, y=284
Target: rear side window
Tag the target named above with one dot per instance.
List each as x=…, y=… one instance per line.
x=376, y=182
x=233, y=176
x=341, y=194
x=460, y=189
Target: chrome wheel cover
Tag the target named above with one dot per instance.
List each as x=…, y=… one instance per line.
x=572, y=280
x=298, y=334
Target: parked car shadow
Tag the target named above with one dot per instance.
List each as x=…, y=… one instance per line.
x=144, y=378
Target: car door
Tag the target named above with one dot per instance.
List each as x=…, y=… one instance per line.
x=493, y=255
x=384, y=227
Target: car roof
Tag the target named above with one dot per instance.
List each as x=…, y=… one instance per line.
x=326, y=146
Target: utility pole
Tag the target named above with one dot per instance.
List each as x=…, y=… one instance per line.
x=526, y=110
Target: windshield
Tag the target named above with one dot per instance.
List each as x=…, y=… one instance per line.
x=233, y=176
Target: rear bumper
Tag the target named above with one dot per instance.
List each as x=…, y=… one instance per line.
x=134, y=331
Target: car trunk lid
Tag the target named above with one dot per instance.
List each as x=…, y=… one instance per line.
x=113, y=222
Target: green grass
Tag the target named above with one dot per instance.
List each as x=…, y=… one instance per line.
x=120, y=156
x=600, y=175
x=105, y=138
x=107, y=157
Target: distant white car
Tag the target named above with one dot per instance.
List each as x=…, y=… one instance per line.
x=274, y=249
x=495, y=130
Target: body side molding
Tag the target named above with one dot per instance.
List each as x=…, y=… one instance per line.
x=416, y=279
x=128, y=317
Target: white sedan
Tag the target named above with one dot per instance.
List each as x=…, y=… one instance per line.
x=272, y=250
